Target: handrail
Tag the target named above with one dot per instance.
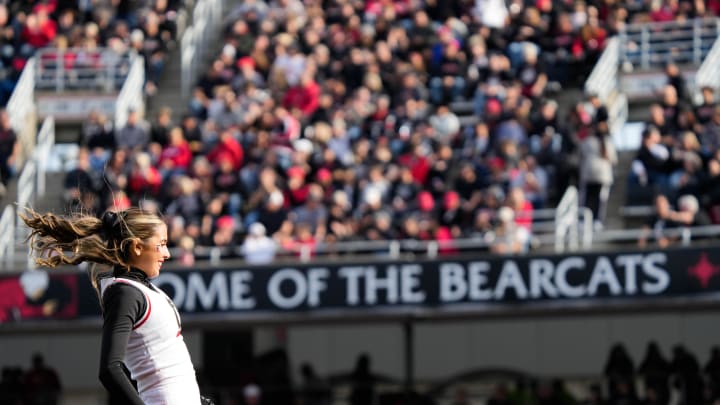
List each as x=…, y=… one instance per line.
x=619, y=111
x=7, y=236
x=80, y=69
x=197, y=39
x=604, y=82
x=21, y=109
x=46, y=140
x=25, y=195
x=646, y=44
x=684, y=233
x=21, y=100
x=566, y=218
x=709, y=72
x=670, y=25
x=603, y=79
x=132, y=94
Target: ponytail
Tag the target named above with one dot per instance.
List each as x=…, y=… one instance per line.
x=56, y=240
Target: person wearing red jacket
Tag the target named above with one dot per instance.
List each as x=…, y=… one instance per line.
x=39, y=30
x=144, y=180
x=227, y=148
x=176, y=157
x=304, y=96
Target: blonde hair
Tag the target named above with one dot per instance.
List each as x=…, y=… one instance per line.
x=78, y=238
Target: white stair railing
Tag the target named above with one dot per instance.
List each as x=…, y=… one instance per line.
x=198, y=39
x=7, y=237
x=132, y=95
x=45, y=142
x=709, y=72
x=604, y=81
x=566, y=221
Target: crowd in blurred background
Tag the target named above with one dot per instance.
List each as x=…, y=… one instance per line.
x=333, y=121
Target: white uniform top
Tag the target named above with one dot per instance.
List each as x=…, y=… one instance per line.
x=156, y=354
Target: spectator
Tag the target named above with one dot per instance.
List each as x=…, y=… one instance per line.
x=80, y=186
x=686, y=376
x=712, y=371
x=655, y=370
x=176, y=156
x=160, y=129
x=597, y=160
x=41, y=383
x=363, y=382
x=655, y=161
x=676, y=80
x=704, y=112
x=304, y=97
x=508, y=237
x=314, y=391
x=258, y=248
x=134, y=135
x=144, y=180
x=11, y=385
x=39, y=30
x=620, y=371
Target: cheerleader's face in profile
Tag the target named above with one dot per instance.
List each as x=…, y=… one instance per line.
x=149, y=255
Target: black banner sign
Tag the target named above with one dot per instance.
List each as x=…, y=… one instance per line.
x=437, y=288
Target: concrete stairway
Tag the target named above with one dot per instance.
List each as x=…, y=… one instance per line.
x=169, y=92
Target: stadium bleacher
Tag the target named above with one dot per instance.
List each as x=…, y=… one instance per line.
x=350, y=125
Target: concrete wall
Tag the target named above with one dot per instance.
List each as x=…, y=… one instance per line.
x=568, y=346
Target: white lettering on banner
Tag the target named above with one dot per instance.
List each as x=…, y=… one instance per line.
x=300, y=286
x=541, y=273
x=651, y=268
x=410, y=284
x=563, y=267
x=510, y=277
x=452, y=282
x=603, y=273
x=477, y=279
x=240, y=290
x=352, y=286
x=630, y=263
x=177, y=284
x=316, y=284
x=373, y=283
x=216, y=292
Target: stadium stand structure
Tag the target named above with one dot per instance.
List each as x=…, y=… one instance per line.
x=235, y=69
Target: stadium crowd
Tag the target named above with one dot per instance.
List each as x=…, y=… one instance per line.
x=339, y=121
x=84, y=34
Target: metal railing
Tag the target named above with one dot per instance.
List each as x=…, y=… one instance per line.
x=73, y=69
x=709, y=72
x=604, y=81
x=45, y=142
x=7, y=236
x=30, y=186
x=132, y=94
x=22, y=111
x=207, y=18
x=645, y=45
x=26, y=192
x=685, y=234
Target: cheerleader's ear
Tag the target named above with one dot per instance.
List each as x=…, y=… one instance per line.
x=136, y=247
